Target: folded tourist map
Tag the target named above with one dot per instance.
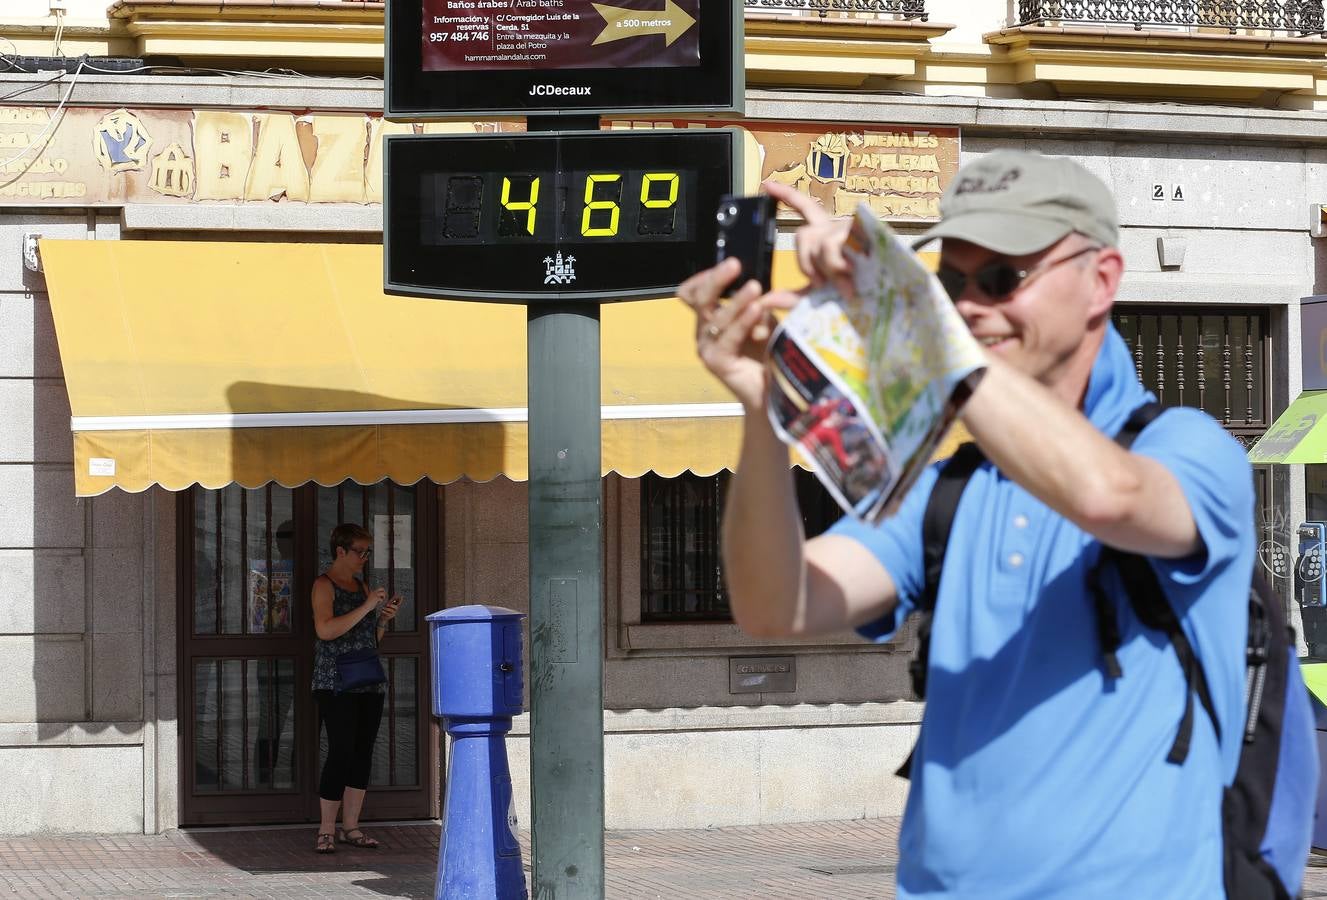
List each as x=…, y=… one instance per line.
x=865, y=387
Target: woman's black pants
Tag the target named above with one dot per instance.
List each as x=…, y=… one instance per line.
x=351, y=721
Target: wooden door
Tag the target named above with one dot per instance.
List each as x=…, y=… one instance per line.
x=251, y=746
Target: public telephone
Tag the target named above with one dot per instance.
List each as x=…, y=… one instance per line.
x=1311, y=587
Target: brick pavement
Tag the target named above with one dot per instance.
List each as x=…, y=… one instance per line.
x=846, y=860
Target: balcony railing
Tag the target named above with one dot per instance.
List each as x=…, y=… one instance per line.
x=1297, y=17
x=899, y=9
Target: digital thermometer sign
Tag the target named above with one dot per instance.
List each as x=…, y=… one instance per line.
x=523, y=217
x=526, y=207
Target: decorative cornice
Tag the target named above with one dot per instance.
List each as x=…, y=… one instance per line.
x=334, y=33
x=1108, y=37
x=841, y=53
x=766, y=25
x=1162, y=64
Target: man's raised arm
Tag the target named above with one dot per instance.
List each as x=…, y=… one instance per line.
x=779, y=584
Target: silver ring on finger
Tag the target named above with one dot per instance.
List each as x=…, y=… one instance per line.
x=712, y=330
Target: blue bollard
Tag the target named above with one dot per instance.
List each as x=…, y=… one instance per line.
x=477, y=690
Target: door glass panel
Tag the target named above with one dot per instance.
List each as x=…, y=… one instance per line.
x=207, y=762
x=343, y=503
x=230, y=740
x=401, y=558
x=244, y=724
x=206, y=586
x=269, y=534
x=405, y=722
x=243, y=561
x=387, y=511
x=395, y=755
x=271, y=708
x=230, y=559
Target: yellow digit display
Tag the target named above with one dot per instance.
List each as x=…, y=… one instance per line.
x=530, y=206
x=592, y=205
x=647, y=184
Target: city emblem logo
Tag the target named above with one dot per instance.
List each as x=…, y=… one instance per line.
x=560, y=270
x=120, y=142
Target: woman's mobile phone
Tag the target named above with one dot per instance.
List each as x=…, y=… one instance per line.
x=747, y=231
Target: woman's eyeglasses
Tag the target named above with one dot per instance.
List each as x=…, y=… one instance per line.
x=998, y=279
x=362, y=554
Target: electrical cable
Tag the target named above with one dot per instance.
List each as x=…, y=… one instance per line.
x=266, y=73
x=9, y=63
x=59, y=33
x=10, y=59
x=50, y=126
x=29, y=88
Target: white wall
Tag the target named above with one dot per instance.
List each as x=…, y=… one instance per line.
x=36, y=9
x=971, y=18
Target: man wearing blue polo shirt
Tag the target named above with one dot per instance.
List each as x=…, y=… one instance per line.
x=1035, y=775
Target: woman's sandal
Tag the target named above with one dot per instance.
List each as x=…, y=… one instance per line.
x=326, y=843
x=356, y=838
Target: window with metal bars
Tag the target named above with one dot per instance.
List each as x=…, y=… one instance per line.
x=1295, y=17
x=681, y=572
x=900, y=9
x=1218, y=360
x=1212, y=358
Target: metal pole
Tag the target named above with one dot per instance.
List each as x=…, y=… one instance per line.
x=566, y=603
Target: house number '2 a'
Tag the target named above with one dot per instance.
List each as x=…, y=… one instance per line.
x=1168, y=191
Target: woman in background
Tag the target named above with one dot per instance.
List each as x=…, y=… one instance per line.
x=347, y=617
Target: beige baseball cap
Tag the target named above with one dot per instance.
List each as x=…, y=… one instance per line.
x=1017, y=202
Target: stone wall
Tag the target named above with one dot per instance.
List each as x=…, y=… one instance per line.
x=75, y=583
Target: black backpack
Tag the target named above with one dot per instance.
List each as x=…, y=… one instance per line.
x=1268, y=811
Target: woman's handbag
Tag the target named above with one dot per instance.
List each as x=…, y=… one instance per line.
x=358, y=668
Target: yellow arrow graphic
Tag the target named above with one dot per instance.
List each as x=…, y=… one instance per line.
x=673, y=22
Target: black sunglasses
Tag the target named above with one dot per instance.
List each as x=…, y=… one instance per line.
x=998, y=279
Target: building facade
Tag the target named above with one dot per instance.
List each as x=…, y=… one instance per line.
x=188, y=229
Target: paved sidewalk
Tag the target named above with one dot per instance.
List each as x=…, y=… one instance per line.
x=800, y=862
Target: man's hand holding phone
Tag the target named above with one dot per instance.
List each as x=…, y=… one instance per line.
x=733, y=308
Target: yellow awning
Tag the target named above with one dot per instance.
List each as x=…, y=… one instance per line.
x=206, y=363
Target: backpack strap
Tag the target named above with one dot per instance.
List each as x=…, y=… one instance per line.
x=1150, y=605
x=1148, y=602
x=937, y=523
x=1108, y=624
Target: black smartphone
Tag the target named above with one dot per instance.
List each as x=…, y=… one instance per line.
x=747, y=230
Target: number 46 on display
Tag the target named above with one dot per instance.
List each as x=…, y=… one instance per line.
x=601, y=214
